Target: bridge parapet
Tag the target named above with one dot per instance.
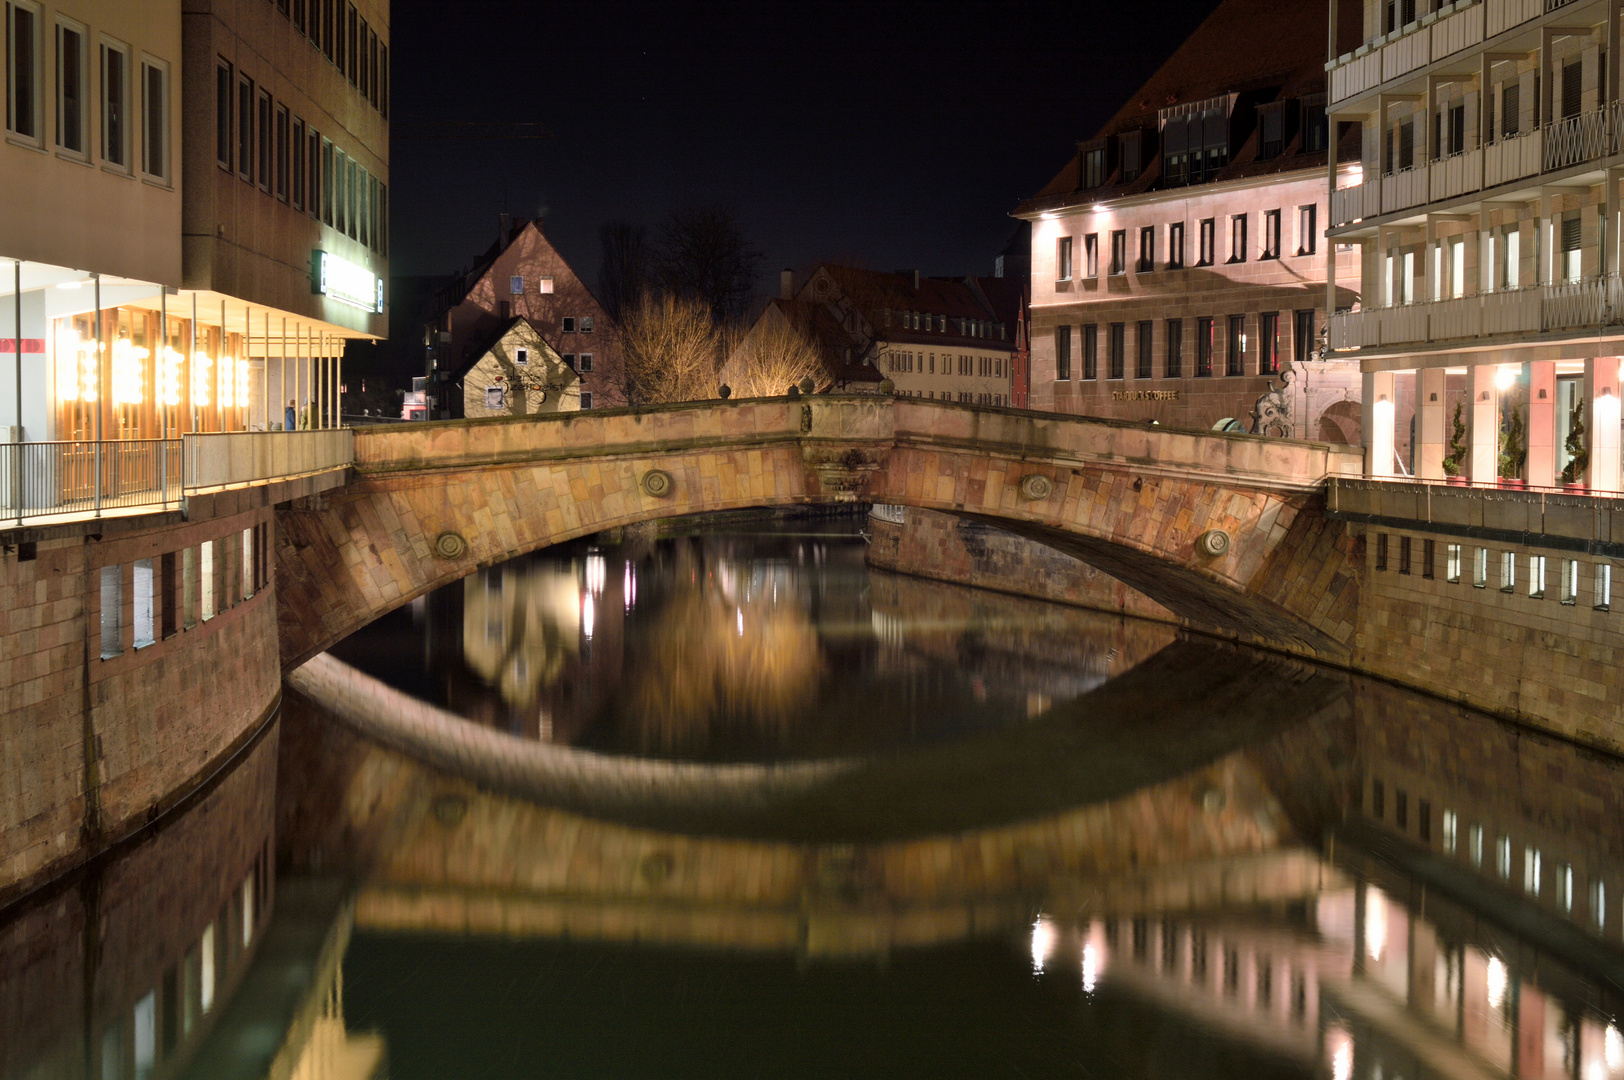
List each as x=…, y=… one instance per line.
x=1561, y=520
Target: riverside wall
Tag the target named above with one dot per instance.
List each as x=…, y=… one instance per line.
x=1436, y=611
x=127, y=680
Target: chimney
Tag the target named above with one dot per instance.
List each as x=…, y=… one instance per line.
x=786, y=284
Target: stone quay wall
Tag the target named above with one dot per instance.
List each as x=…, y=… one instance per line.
x=1435, y=610
x=126, y=679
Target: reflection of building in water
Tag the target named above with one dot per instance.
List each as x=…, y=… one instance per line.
x=154, y=943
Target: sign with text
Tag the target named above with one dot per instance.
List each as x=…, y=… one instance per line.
x=345, y=282
x=1144, y=395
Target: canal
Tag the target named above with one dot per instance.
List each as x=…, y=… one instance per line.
x=721, y=801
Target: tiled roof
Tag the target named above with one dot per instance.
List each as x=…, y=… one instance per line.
x=875, y=291
x=1262, y=50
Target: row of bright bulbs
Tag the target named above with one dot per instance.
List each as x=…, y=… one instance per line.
x=77, y=358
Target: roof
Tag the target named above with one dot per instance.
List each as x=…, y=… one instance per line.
x=482, y=346
x=874, y=292
x=1263, y=51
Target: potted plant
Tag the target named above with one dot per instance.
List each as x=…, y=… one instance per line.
x=1457, y=447
x=1513, y=447
x=1578, y=453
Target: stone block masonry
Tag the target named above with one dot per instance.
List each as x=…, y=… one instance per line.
x=136, y=655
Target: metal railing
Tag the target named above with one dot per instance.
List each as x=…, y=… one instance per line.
x=67, y=479
x=1564, y=306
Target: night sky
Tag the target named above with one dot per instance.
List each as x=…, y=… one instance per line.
x=890, y=136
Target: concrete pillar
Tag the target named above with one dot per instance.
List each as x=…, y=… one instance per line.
x=1483, y=427
x=1378, y=401
x=1540, y=468
x=1432, y=427
x=1602, y=422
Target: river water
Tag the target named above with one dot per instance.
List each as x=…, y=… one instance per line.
x=967, y=835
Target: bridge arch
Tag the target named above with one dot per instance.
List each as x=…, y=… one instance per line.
x=431, y=503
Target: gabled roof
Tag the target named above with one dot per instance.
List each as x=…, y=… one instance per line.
x=875, y=292
x=482, y=347
x=1263, y=51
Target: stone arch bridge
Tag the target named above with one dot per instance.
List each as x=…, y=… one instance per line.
x=1224, y=530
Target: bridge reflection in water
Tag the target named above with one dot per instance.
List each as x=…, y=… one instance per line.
x=1163, y=857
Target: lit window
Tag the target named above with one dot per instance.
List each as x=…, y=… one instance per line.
x=1604, y=586
x=1508, y=571
x=544, y=285
x=1480, y=568
x=1474, y=844
x=1536, y=577
x=1564, y=887
x=1598, y=903
x=144, y=595
x=1502, y=857
x=1450, y=825
x=494, y=398
x=1569, y=590
x=1531, y=871
x=1062, y=258
x=1452, y=570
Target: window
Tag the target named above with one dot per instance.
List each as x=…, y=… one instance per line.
x=1452, y=561
x=586, y=362
x=72, y=88
x=1235, y=361
x=1147, y=249
x=1143, y=370
x=321, y=177
x=586, y=399
x=1091, y=351
x=1175, y=246
x=1502, y=857
x=1404, y=547
x=1091, y=255
x=112, y=606
x=1510, y=109
x=1203, y=347
x=1532, y=877
x=1237, y=238
x=1117, y=346
x=1381, y=551
x=1564, y=887
x=1536, y=577
x=206, y=576
x=298, y=163
x=1175, y=349
x=351, y=37
x=116, y=105
x=1451, y=824
x=1268, y=342
x=504, y=310
x=1271, y=234
x=1271, y=130
x=145, y=593
x=569, y=324
x=1570, y=88
x=1094, y=167
x=350, y=194
x=1303, y=336
x=586, y=324
x=1314, y=129
x=245, y=129
x=383, y=88
x=569, y=358
x=1307, y=229
x=1062, y=353
x=521, y=355
x=1130, y=145
x=1062, y=259
x=328, y=24
x=516, y=285
x=1598, y=903
x=247, y=568
x=1508, y=571
x=1604, y=586
x=280, y=178
x=363, y=68
x=1474, y=844
x=544, y=285
x=1429, y=555
x=1571, y=254
x=1119, y=251
x=495, y=397
x=1208, y=242
x=223, y=82
x=1568, y=590
x=23, y=71
x=1480, y=568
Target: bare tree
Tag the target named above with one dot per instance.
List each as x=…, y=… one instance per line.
x=771, y=357
x=624, y=275
x=672, y=350
x=702, y=253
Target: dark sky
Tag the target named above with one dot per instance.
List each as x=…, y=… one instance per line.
x=892, y=135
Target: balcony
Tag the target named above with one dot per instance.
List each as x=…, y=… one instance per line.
x=1513, y=158
x=56, y=481
x=1402, y=190
x=1455, y=175
x=1568, y=306
x=1456, y=28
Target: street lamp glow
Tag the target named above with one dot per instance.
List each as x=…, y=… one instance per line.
x=1504, y=376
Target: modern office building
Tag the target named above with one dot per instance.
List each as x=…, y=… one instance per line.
x=1178, y=259
x=1482, y=213
x=206, y=188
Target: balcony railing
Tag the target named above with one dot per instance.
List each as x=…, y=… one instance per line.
x=1402, y=190
x=61, y=479
x=1513, y=158
x=1420, y=43
x=1456, y=175
x=1568, y=306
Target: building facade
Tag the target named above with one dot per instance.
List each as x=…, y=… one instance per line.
x=940, y=338
x=1178, y=260
x=206, y=189
x=520, y=276
x=519, y=374
x=1482, y=215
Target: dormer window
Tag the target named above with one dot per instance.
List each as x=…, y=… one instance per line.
x=1094, y=167
x=1271, y=134
x=1316, y=136
x=1132, y=146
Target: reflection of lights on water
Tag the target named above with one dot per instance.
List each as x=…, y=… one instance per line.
x=1614, y=1047
x=1339, y=1047
x=629, y=588
x=1496, y=983
x=1042, y=943
x=595, y=574
x=1376, y=924
x=1091, y=968
x=740, y=612
x=588, y=615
